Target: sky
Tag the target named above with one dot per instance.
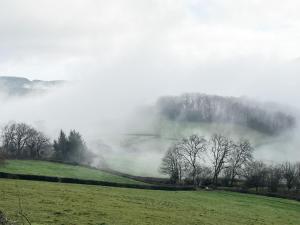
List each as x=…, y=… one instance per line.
x=125, y=53
x=53, y=39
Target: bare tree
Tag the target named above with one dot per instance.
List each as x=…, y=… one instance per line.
x=22, y=133
x=190, y=149
x=274, y=176
x=298, y=174
x=220, y=148
x=8, y=138
x=289, y=173
x=36, y=143
x=20, y=140
x=241, y=154
x=255, y=173
x=172, y=164
x=203, y=175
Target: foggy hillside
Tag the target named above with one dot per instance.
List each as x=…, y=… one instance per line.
x=21, y=86
x=136, y=135
x=152, y=129
x=217, y=109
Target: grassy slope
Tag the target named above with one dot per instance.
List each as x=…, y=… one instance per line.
x=52, y=203
x=61, y=170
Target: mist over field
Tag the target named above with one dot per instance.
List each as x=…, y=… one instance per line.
x=119, y=66
x=124, y=128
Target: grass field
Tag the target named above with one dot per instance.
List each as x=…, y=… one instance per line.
x=69, y=204
x=61, y=170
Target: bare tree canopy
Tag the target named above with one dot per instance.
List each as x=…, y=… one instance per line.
x=274, y=176
x=240, y=155
x=20, y=140
x=173, y=165
x=256, y=174
x=190, y=149
x=220, y=149
x=289, y=173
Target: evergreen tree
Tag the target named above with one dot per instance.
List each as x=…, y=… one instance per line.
x=61, y=147
x=77, y=147
x=71, y=148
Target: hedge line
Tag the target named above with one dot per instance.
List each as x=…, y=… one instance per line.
x=90, y=182
x=290, y=196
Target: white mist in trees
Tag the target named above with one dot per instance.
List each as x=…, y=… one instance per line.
x=195, y=107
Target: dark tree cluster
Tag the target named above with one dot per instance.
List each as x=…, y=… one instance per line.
x=221, y=161
x=71, y=148
x=284, y=176
x=22, y=141
x=211, y=108
x=200, y=161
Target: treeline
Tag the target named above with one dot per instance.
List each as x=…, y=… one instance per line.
x=212, y=108
x=221, y=161
x=22, y=141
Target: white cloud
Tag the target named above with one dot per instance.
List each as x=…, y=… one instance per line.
x=50, y=38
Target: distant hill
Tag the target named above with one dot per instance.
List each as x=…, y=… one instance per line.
x=194, y=107
x=20, y=86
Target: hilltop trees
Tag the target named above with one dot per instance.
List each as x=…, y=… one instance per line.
x=71, y=148
x=211, y=108
x=20, y=140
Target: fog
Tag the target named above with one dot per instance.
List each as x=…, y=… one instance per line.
x=121, y=56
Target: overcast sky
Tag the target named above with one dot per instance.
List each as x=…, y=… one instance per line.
x=229, y=47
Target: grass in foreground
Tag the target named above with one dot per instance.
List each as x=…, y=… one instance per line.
x=53, y=203
x=43, y=168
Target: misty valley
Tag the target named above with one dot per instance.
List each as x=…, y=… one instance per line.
x=188, y=142
x=132, y=112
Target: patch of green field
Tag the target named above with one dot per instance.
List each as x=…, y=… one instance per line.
x=43, y=168
x=54, y=203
